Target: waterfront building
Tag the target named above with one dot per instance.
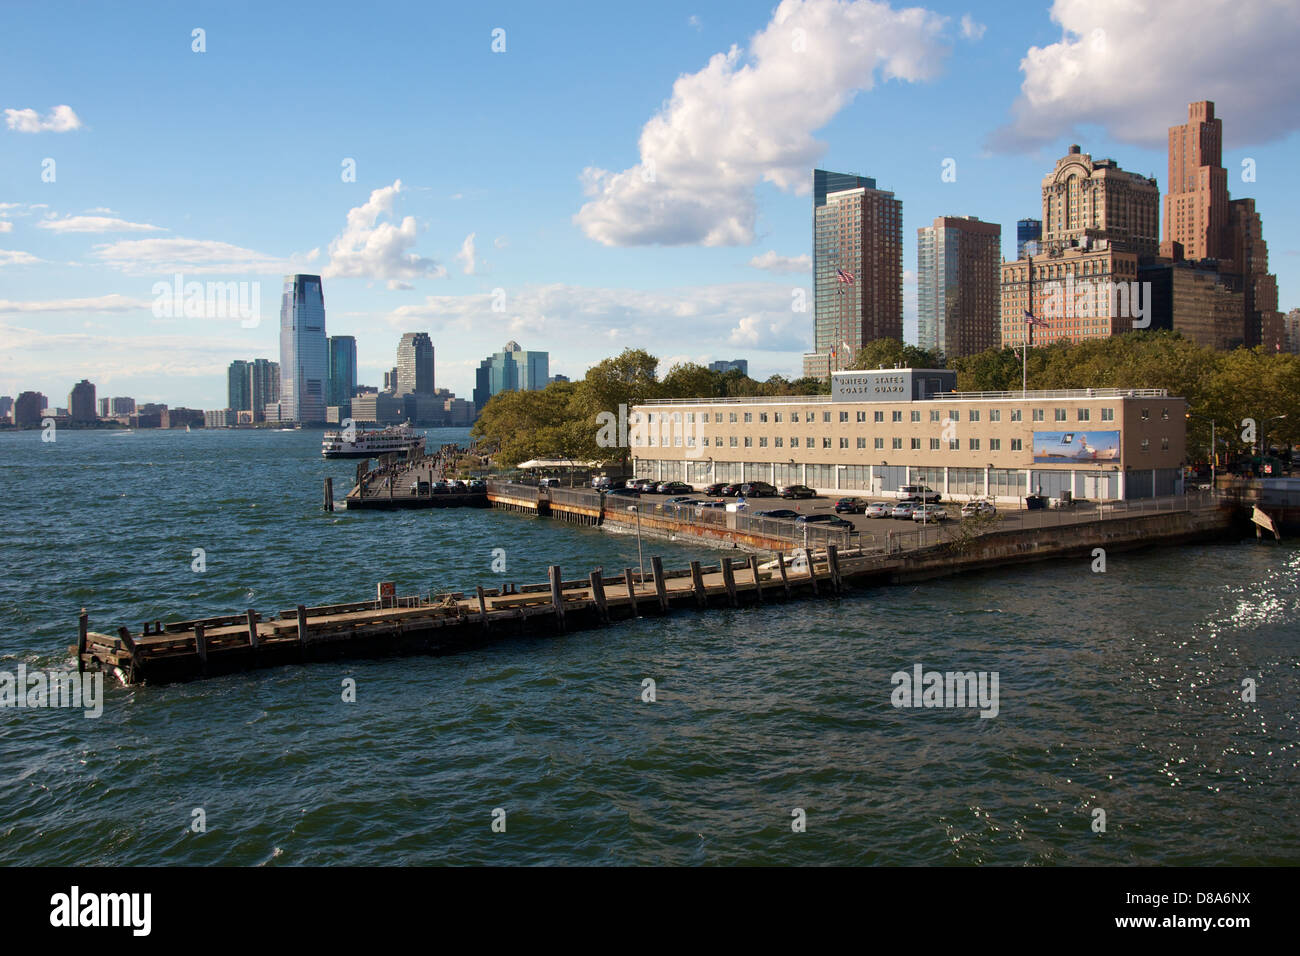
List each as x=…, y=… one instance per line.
x=879, y=430
x=958, y=286
x=221, y=418
x=81, y=402
x=857, y=271
x=239, y=385
x=728, y=365
x=1291, y=332
x=6, y=407
x=343, y=370
x=381, y=408
x=304, y=351
x=511, y=369
x=29, y=408
x=415, y=364
x=264, y=388
x=105, y=407
x=123, y=406
x=1027, y=231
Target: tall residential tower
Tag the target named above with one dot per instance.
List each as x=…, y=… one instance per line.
x=958, y=286
x=304, y=351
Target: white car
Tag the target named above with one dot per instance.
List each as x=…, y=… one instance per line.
x=978, y=507
x=902, y=511
x=926, y=513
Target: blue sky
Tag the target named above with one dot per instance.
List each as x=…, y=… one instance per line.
x=619, y=177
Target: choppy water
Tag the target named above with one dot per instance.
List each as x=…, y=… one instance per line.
x=1119, y=691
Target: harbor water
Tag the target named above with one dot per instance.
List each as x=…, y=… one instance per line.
x=1162, y=692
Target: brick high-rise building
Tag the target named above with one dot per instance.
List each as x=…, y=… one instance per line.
x=858, y=282
x=1196, y=204
x=958, y=295
x=1083, y=198
x=1249, y=255
x=81, y=402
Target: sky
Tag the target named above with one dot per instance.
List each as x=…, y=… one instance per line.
x=579, y=177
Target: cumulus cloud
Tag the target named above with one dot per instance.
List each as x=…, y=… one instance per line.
x=6, y=225
x=466, y=255
x=103, y=303
x=12, y=257
x=1130, y=67
x=198, y=256
x=61, y=119
x=370, y=249
x=749, y=117
x=971, y=29
x=96, y=224
x=771, y=262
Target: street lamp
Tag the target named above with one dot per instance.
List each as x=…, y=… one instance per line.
x=640, y=564
x=1263, y=445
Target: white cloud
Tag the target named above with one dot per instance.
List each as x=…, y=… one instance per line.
x=370, y=249
x=12, y=257
x=1131, y=68
x=750, y=117
x=6, y=225
x=197, y=256
x=104, y=210
x=771, y=262
x=694, y=21
x=466, y=255
x=103, y=303
x=97, y=224
x=61, y=119
x=971, y=29
x=500, y=242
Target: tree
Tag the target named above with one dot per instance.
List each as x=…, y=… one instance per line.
x=888, y=353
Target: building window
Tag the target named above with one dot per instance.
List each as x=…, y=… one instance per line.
x=1017, y=415
x=862, y=416
x=954, y=444
x=749, y=442
x=749, y=418
x=704, y=442
x=974, y=444
x=1038, y=414
x=1059, y=414
x=794, y=441
x=934, y=415
x=826, y=442
x=916, y=444
x=896, y=443
x=844, y=416
x=732, y=441
x=1146, y=414
x=897, y=416
x=1085, y=415
x=1146, y=444
x=995, y=444
x=878, y=443
x=717, y=418
x=877, y=416
x=776, y=417
x=916, y=416
x=995, y=414
x=690, y=418
x=826, y=417
x=1108, y=414
x=862, y=443
x=762, y=417
x=779, y=441
x=1164, y=414
x=1164, y=444
x=975, y=414
x=954, y=416
x=844, y=443
x=1017, y=444
x=731, y=418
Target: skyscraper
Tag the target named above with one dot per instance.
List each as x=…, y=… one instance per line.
x=1196, y=204
x=415, y=364
x=858, y=270
x=511, y=369
x=1092, y=199
x=239, y=386
x=264, y=386
x=81, y=402
x=343, y=369
x=958, y=285
x=304, y=351
x=28, y=408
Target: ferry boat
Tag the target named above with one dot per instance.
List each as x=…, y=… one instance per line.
x=395, y=439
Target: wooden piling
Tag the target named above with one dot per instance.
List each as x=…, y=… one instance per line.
x=661, y=588
x=557, y=596
x=127, y=640
x=482, y=607
x=758, y=581
x=697, y=581
x=729, y=579
x=302, y=624
x=251, y=618
x=833, y=562
x=83, y=628
x=631, y=591
x=201, y=646
x=780, y=566
x=812, y=568
x=598, y=595
x=329, y=494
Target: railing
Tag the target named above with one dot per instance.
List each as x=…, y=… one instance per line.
x=514, y=489
x=1046, y=394
x=801, y=534
x=740, y=400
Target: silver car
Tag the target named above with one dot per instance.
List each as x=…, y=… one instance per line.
x=903, y=510
x=878, y=509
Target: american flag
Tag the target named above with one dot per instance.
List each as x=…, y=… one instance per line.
x=1031, y=320
x=843, y=276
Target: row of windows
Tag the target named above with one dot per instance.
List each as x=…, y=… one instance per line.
x=936, y=444
x=878, y=417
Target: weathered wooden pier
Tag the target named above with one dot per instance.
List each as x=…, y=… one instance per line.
x=186, y=650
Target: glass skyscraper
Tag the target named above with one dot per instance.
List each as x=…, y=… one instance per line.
x=343, y=369
x=304, y=351
x=239, y=385
x=511, y=369
x=415, y=364
x=1027, y=230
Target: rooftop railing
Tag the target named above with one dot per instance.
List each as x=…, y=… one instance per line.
x=1040, y=395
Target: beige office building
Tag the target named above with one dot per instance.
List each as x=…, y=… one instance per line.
x=879, y=430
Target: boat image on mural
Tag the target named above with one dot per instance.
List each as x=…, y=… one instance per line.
x=1075, y=446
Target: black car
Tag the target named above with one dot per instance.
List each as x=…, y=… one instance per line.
x=758, y=489
x=777, y=513
x=622, y=493
x=830, y=520
x=675, y=488
x=730, y=491
x=715, y=489
x=850, y=506
x=797, y=491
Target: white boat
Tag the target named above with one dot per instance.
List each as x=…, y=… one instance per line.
x=395, y=439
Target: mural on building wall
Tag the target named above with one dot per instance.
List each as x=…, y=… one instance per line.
x=1066, y=447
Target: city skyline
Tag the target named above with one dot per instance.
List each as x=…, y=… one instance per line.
x=425, y=231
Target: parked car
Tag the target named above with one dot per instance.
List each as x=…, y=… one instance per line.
x=918, y=494
x=622, y=493
x=758, y=489
x=675, y=488
x=777, y=513
x=477, y=486
x=440, y=488
x=825, y=519
x=679, y=500
x=710, y=504
x=978, y=507
x=420, y=488
x=902, y=510
x=601, y=482
x=715, y=489
x=878, y=509
x=730, y=491
x=797, y=491
x=457, y=486
x=850, y=506
x=646, y=486
x=925, y=513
